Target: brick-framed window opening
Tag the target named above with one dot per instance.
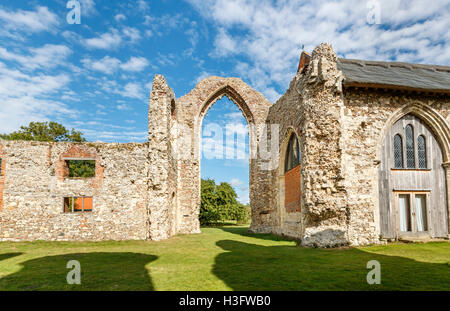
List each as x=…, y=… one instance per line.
x=78, y=204
x=80, y=168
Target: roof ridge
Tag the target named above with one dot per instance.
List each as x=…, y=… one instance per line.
x=386, y=64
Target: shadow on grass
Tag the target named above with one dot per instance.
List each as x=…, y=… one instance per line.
x=9, y=255
x=243, y=231
x=247, y=266
x=99, y=271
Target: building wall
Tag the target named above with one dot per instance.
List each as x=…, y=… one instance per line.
x=367, y=117
x=35, y=184
x=340, y=131
x=191, y=109
x=152, y=190
x=286, y=113
x=163, y=211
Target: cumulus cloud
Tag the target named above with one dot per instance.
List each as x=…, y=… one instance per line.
x=27, y=98
x=88, y=7
x=48, y=56
x=131, y=90
x=271, y=34
x=41, y=19
x=110, y=65
x=113, y=38
x=235, y=182
x=107, y=40
x=120, y=17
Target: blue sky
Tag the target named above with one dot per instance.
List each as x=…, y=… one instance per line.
x=96, y=76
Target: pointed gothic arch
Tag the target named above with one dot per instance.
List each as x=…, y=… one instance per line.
x=402, y=190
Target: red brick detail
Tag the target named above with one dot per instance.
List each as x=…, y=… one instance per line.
x=80, y=152
x=304, y=60
x=2, y=174
x=292, y=192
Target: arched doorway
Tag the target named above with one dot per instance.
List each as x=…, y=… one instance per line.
x=224, y=162
x=412, y=182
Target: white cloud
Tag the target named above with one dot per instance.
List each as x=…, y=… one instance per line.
x=235, y=182
x=107, y=40
x=132, y=90
x=48, y=56
x=29, y=21
x=113, y=38
x=110, y=65
x=135, y=64
x=120, y=17
x=132, y=34
x=25, y=98
x=271, y=34
x=88, y=7
x=202, y=75
x=143, y=5
x=106, y=65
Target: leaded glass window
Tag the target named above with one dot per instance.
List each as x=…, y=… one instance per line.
x=421, y=152
x=410, y=157
x=398, y=151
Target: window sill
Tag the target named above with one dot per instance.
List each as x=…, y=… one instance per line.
x=411, y=169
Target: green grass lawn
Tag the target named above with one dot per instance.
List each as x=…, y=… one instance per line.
x=222, y=258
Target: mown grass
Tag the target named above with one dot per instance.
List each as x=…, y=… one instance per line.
x=223, y=258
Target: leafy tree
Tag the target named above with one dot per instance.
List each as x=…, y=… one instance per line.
x=85, y=168
x=219, y=203
x=45, y=131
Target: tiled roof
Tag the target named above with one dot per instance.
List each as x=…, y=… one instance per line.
x=395, y=75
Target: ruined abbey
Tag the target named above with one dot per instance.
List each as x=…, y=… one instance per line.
x=354, y=153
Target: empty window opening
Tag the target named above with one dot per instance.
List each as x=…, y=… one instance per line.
x=81, y=168
x=77, y=204
x=1, y=171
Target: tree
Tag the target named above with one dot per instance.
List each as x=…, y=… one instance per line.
x=45, y=131
x=219, y=203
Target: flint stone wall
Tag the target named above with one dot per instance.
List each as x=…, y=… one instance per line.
x=367, y=115
x=341, y=131
x=35, y=185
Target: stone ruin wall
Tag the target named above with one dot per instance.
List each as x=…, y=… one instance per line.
x=287, y=113
x=163, y=212
x=340, y=131
x=35, y=184
x=152, y=190
x=312, y=107
x=191, y=109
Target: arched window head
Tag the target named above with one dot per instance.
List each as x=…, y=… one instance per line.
x=422, y=151
x=292, y=154
x=398, y=151
x=410, y=156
